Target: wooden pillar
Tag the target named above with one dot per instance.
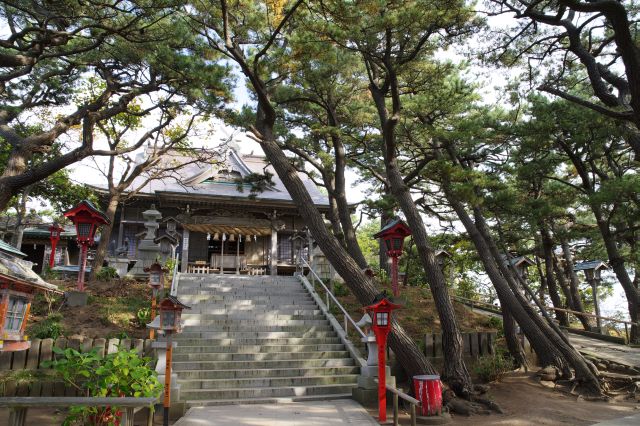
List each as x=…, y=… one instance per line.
x=274, y=251
x=185, y=250
x=310, y=243
x=238, y=254
x=121, y=228
x=223, y=238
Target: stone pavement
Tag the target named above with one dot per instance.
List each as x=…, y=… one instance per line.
x=318, y=413
x=610, y=351
x=622, y=421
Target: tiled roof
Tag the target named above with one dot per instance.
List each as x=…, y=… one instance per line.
x=196, y=179
x=21, y=270
x=8, y=248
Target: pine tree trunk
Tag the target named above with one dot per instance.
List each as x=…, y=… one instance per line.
x=343, y=207
x=585, y=371
x=407, y=352
x=105, y=234
x=511, y=338
x=547, y=249
x=455, y=372
x=382, y=249
x=574, y=284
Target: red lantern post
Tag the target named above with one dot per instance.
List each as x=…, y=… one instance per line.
x=380, y=313
x=86, y=217
x=169, y=321
x=393, y=235
x=55, y=231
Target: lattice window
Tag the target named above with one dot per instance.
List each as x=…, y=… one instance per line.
x=15, y=313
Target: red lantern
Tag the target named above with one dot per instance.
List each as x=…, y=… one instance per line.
x=55, y=231
x=86, y=217
x=380, y=314
x=169, y=322
x=393, y=235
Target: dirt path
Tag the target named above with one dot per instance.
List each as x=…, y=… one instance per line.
x=527, y=403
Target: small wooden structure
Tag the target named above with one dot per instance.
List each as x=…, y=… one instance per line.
x=18, y=285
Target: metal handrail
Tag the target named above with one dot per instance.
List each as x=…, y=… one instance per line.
x=397, y=393
x=174, y=280
x=330, y=296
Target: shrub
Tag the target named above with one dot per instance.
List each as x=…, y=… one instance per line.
x=143, y=317
x=493, y=367
x=340, y=289
x=106, y=273
x=123, y=373
x=48, y=328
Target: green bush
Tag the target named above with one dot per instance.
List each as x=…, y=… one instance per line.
x=106, y=273
x=493, y=367
x=340, y=289
x=123, y=373
x=48, y=328
x=143, y=317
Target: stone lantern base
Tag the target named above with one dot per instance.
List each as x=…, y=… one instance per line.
x=367, y=391
x=442, y=419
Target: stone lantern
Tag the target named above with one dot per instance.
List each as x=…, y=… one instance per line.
x=593, y=273
x=156, y=282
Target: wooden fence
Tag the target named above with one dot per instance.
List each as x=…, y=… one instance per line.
x=41, y=351
x=475, y=344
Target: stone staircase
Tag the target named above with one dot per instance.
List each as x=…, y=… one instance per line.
x=257, y=339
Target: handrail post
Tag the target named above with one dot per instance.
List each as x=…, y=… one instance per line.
x=626, y=332
x=413, y=414
x=18, y=416
x=395, y=409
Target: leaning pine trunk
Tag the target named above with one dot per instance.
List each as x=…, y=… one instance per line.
x=407, y=352
x=455, y=372
x=547, y=249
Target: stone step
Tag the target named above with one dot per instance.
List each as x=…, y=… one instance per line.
x=245, y=300
x=245, y=373
x=249, y=310
x=267, y=382
x=243, y=316
x=252, y=349
x=294, y=291
x=200, y=307
x=235, y=279
x=266, y=325
x=235, y=365
x=248, y=328
x=279, y=400
x=198, y=334
x=268, y=392
x=267, y=356
x=226, y=288
x=220, y=342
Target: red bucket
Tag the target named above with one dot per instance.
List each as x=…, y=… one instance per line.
x=429, y=393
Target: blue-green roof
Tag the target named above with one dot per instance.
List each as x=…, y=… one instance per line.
x=8, y=248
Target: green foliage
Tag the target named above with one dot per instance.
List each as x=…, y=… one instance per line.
x=48, y=328
x=340, y=289
x=143, y=317
x=106, y=273
x=491, y=368
x=123, y=373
